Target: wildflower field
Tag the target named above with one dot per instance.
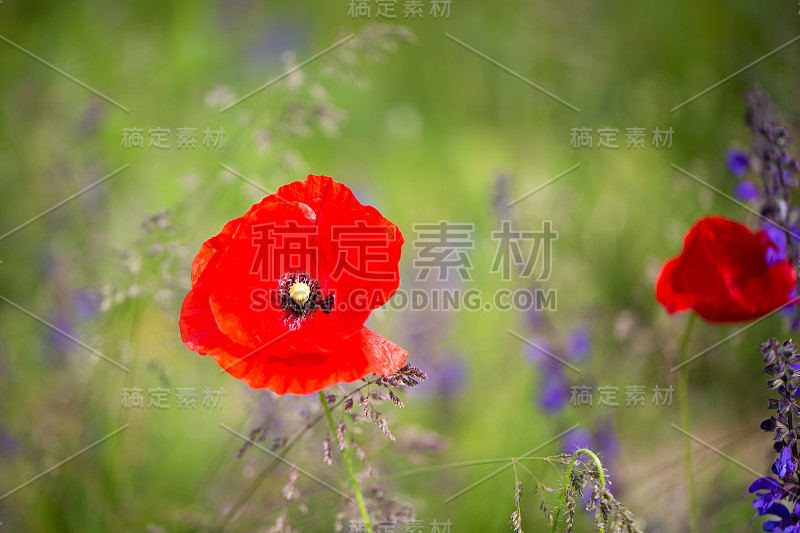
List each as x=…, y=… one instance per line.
x=383, y=266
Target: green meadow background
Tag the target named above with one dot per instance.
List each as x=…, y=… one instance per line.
x=427, y=130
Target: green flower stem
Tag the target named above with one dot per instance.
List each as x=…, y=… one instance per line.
x=683, y=400
x=562, y=497
x=251, y=489
x=349, y=462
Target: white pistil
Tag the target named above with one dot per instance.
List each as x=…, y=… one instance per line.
x=299, y=292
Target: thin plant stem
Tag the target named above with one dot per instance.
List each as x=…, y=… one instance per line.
x=349, y=462
x=683, y=400
x=562, y=497
x=516, y=518
x=251, y=489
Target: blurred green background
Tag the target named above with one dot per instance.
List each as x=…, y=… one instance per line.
x=426, y=130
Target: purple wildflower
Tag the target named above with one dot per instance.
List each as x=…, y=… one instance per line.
x=788, y=523
x=778, y=237
x=781, y=360
x=784, y=464
x=778, y=168
x=768, y=491
x=579, y=343
x=554, y=392
x=746, y=191
x=738, y=162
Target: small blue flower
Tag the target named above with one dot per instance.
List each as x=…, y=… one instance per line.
x=746, y=191
x=784, y=464
x=789, y=178
x=738, y=162
x=773, y=492
x=554, y=393
x=788, y=523
x=579, y=343
x=778, y=237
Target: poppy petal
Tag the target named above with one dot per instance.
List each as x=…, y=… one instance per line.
x=723, y=274
x=269, y=343
x=199, y=329
x=212, y=247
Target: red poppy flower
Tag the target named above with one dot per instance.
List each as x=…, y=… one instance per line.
x=723, y=274
x=279, y=298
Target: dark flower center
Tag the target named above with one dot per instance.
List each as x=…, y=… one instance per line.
x=299, y=296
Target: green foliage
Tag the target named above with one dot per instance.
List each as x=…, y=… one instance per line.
x=418, y=126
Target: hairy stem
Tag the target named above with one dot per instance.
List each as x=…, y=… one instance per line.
x=683, y=400
x=563, y=496
x=349, y=462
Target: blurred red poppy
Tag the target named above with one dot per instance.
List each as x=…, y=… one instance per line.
x=279, y=298
x=723, y=274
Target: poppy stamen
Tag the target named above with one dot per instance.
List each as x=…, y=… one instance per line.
x=300, y=295
x=299, y=292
